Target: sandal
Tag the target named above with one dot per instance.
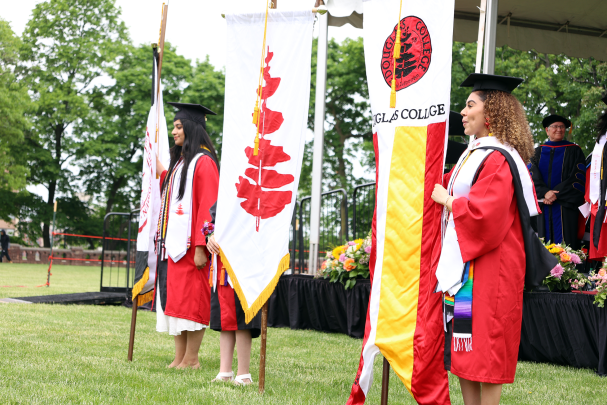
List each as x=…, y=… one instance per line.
x=239, y=380
x=220, y=377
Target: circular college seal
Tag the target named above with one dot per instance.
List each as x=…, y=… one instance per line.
x=415, y=53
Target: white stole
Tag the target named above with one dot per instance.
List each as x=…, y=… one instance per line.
x=595, y=170
x=179, y=227
x=451, y=265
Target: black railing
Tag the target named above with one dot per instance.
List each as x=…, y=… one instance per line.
x=333, y=225
x=118, y=251
x=363, y=206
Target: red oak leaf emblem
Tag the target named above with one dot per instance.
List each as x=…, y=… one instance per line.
x=179, y=210
x=260, y=202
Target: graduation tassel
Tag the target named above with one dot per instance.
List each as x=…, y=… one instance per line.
x=211, y=275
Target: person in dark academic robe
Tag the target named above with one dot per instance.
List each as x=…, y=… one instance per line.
x=596, y=192
x=483, y=219
x=558, y=169
x=189, y=189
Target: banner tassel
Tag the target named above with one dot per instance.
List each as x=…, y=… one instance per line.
x=393, y=94
x=397, y=44
x=256, y=150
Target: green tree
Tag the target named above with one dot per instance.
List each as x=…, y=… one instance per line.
x=208, y=88
x=348, y=117
x=109, y=155
x=554, y=84
x=14, y=103
x=67, y=46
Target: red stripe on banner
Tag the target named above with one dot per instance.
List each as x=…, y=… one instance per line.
x=357, y=396
x=429, y=381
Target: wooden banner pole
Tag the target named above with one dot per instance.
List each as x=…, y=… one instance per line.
x=385, y=382
x=163, y=27
x=133, y=324
x=262, y=350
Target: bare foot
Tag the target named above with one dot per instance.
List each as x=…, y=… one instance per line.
x=175, y=363
x=194, y=364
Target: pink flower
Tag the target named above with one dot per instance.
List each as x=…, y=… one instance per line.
x=351, y=243
x=575, y=258
x=342, y=257
x=368, y=249
x=557, y=272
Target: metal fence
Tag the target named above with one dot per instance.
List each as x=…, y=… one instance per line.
x=333, y=225
x=363, y=206
x=339, y=221
x=118, y=251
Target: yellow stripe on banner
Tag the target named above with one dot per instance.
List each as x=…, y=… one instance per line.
x=399, y=292
x=250, y=312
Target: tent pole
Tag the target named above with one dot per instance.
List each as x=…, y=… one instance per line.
x=481, y=35
x=319, y=133
x=491, y=24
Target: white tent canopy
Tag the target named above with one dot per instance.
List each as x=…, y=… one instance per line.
x=574, y=28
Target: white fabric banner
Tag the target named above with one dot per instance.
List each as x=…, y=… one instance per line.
x=156, y=143
x=410, y=121
x=257, y=193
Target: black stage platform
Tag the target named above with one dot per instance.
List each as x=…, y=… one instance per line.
x=558, y=328
x=87, y=298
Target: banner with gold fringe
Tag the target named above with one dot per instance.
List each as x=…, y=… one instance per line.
x=265, y=122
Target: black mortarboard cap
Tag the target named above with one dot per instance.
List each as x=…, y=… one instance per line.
x=551, y=119
x=480, y=81
x=192, y=112
x=456, y=126
x=604, y=99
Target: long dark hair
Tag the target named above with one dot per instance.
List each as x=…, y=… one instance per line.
x=601, y=126
x=195, y=139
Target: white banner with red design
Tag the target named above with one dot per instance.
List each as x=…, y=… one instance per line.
x=156, y=143
x=409, y=92
x=257, y=192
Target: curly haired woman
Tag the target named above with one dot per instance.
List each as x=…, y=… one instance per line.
x=481, y=269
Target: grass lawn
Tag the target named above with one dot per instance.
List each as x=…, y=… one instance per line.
x=55, y=354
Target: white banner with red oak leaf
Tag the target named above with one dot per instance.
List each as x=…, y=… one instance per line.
x=257, y=192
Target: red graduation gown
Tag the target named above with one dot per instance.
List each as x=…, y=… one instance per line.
x=188, y=290
x=600, y=252
x=489, y=232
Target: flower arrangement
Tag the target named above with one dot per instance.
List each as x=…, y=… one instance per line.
x=208, y=228
x=565, y=276
x=345, y=263
x=600, y=281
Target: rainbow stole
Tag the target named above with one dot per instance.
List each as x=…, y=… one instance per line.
x=460, y=306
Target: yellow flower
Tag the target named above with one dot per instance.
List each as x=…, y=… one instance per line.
x=338, y=251
x=556, y=249
x=550, y=246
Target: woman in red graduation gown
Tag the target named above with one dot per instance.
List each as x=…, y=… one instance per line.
x=189, y=190
x=485, y=257
x=596, y=188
